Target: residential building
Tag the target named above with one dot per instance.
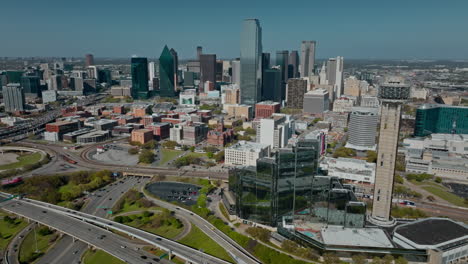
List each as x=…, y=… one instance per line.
x=142, y=135
x=433, y=118
x=139, y=71
x=13, y=98
x=245, y=153
x=266, y=108
x=316, y=101
x=251, y=62
x=307, y=58
x=296, y=89
x=353, y=170
x=275, y=130
x=362, y=129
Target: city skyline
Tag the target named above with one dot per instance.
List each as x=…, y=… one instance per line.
x=415, y=30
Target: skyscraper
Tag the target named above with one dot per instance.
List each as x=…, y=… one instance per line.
x=31, y=85
x=89, y=60
x=139, y=70
x=392, y=95
x=236, y=72
x=294, y=62
x=271, y=88
x=207, y=69
x=166, y=73
x=295, y=93
x=335, y=75
x=251, y=62
x=199, y=52
x=282, y=59
x=307, y=58
x=175, y=57
x=363, y=123
x=13, y=97
x=151, y=74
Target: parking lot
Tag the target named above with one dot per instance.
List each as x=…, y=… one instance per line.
x=175, y=191
x=115, y=154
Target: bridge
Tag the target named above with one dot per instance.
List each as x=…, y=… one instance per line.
x=93, y=230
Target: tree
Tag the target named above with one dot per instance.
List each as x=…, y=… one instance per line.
x=44, y=231
x=387, y=259
x=371, y=156
x=192, y=149
x=133, y=151
x=438, y=179
x=150, y=144
x=210, y=155
x=401, y=260
x=377, y=260
x=330, y=258
x=9, y=219
x=399, y=179
x=359, y=259
x=219, y=156
x=430, y=198
x=169, y=144
x=146, y=156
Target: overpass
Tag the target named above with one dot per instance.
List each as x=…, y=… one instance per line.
x=89, y=228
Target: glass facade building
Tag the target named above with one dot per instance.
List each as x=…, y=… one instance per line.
x=441, y=119
x=31, y=85
x=167, y=75
x=286, y=186
x=282, y=60
x=139, y=70
x=251, y=62
x=271, y=90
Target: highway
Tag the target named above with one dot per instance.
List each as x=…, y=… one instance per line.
x=14, y=245
x=85, y=227
x=96, y=204
x=91, y=234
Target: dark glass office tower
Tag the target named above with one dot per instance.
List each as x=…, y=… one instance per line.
x=31, y=85
x=207, y=69
x=293, y=69
x=139, y=70
x=251, y=62
x=278, y=186
x=166, y=74
x=175, y=57
x=282, y=60
x=271, y=88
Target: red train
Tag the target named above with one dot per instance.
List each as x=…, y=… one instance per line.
x=67, y=159
x=12, y=181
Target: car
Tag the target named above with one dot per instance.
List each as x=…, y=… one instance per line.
x=74, y=252
x=143, y=257
x=158, y=238
x=123, y=247
x=44, y=212
x=110, y=198
x=156, y=259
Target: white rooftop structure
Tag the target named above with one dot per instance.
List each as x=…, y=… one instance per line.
x=361, y=237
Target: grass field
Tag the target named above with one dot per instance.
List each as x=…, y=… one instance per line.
x=100, y=257
x=28, y=247
x=23, y=160
x=127, y=207
x=444, y=194
x=199, y=240
x=168, y=155
x=8, y=231
x=166, y=230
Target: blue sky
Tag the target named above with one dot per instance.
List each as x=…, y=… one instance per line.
x=378, y=29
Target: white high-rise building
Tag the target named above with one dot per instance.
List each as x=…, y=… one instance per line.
x=245, y=153
x=307, y=58
x=151, y=74
x=275, y=130
x=335, y=75
x=323, y=75
x=363, y=128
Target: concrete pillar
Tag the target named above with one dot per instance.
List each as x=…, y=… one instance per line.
x=170, y=254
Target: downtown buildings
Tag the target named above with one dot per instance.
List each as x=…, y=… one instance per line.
x=307, y=58
x=251, y=62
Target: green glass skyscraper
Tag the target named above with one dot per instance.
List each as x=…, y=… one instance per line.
x=166, y=73
x=139, y=70
x=251, y=62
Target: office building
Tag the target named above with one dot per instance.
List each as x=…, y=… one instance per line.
x=166, y=74
x=352, y=170
x=175, y=58
x=188, y=97
x=362, y=129
x=352, y=86
x=77, y=84
x=369, y=101
x=335, y=76
x=316, y=102
x=245, y=153
x=236, y=72
x=343, y=104
x=443, y=119
x=89, y=60
x=220, y=136
x=13, y=98
x=307, y=58
x=293, y=62
x=251, y=62
x=266, y=108
x=139, y=71
x=282, y=58
x=31, y=86
x=207, y=69
x=232, y=96
x=392, y=95
x=275, y=130
x=296, y=89
x=240, y=111
x=151, y=74
x=49, y=96
x=194, y=133
x=142, y=135
x=199, y=52
x=193, y=66
x=277, y=186
x=93, y=137
x=271, y=90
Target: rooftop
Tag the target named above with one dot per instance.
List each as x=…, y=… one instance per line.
x=248, y=146
x=362, y=237
x=432, y=231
